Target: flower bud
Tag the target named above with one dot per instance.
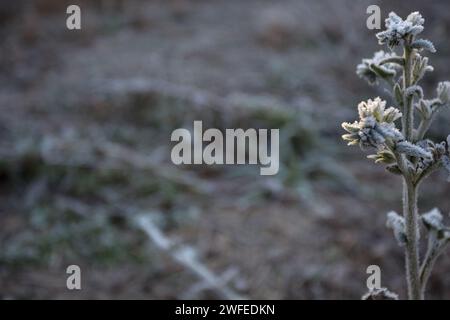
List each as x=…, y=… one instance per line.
x=397, y=224
x=443, y=92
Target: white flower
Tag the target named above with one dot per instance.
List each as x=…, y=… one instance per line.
x=375, y=125
x=377, y=109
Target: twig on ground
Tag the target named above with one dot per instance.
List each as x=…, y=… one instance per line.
x=186, y=256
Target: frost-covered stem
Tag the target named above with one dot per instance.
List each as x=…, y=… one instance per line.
x=433, y=252
x=426, y=268
x=426, y=173
x=410, y=214
x=408, y=119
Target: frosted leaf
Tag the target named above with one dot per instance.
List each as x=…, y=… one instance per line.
x=397, y=224
x=365, y=69
x=352, y=138
x=415, y=18
x=424, y=107
x=380, y=294
x=398, y=93
x=351, y=127
x=420, y=67
x=443, y=92
x=413, y=150
x=370, y=137
x=433, y=219
x=414, y=90
x=423, y=44
x=383, y=156
x=389, y=130
x=373, y=108
x=391, y=114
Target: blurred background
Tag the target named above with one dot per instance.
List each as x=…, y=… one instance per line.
x=85, y=124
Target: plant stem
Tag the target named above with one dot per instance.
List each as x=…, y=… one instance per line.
x=412, y=245
x=408, y=119
x=435, y=248
x=410, y=212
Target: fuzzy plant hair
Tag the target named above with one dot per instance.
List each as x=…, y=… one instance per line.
x=398, y=136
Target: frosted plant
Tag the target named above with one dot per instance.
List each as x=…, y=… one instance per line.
x=365, y=68
x=400, y=142
x=380, y=294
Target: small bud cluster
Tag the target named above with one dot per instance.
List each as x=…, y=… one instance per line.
x=375, y=126
x=397, y=224
x=438, y=239
x=398, y=29
x=439, y=156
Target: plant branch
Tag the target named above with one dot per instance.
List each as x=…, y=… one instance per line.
x=435, y=248
x=429, y=170
x=186, y=256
